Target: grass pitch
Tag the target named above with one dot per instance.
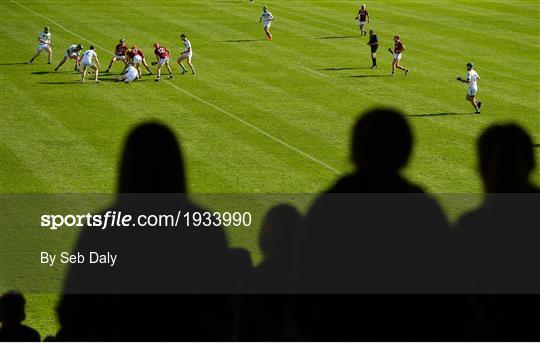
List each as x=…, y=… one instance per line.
x=259, y=116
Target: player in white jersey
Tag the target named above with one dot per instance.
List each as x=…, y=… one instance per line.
x=130, y=74
x=472, y=81
x=44, y=43
x=90, y=60
x=187, y=53
x=73, y=53
x=266, y=18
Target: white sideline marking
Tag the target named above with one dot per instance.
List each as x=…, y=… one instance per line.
x=256, y=128
x=313, y=71
x=272, y=137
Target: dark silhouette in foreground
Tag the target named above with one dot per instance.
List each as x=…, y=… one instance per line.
x=376, y=247
x=266, y=311
x=12, y=314
x=153, y=291
x=501, y=238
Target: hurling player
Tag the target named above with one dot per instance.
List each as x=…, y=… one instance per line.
x=44, y=43
x=87, y=61
x=472, y=81
x=187, y=53
x=119, y=54
x=362, y=16
x=162, y=56
x=398, y=53
x=266, y=18
x=73, y=53
x=136, y=57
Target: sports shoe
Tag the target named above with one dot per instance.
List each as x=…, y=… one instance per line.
x=479, y=104
x=406, y=72
x=192, y=73
x=97, y=81
x=49, y=62
x=170, y=76
x=373, y=67
x=477, y=111
x=107, y=70
x=184, y=71
x=55, y=69
x=156, y=80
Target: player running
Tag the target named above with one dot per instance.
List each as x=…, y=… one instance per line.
x=136, y=57
x=472, y=81
x=187, y=53
x=362, y=16
x=119, y=54
x=162, y=56
x=130, y=74
x=73, y=52
x=44, y=43
x=374, y=45
x=398, y=52
x=87, y=61
x=266, y=18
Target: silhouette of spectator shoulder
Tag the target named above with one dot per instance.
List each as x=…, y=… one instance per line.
x=266, y=310
x=375, y=232
x=151, y=260
x=12, y=314
x=500, y=239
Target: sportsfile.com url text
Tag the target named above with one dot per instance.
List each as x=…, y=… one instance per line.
x=117, y=219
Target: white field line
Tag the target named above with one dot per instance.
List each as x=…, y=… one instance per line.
x=217, y=108
x=313, y=71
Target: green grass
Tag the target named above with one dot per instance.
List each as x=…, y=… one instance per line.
x=259, y=116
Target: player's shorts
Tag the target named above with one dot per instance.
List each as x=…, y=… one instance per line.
x=163, y=60
x=186, y=55
x=397, y=56
x=267, y=24
x=361, y=23
x=137, y=59
x=70, y=55
x=120, y=57
x=472, y=91
x=86, y=64
x=374, y=48
x=42, y=46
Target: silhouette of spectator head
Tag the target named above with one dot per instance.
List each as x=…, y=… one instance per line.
x=12, y=308
x=382, y=141
x=151, y=161
x=279, y=231
x=506, y=159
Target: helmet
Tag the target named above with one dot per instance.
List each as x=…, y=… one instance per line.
x=470, y=65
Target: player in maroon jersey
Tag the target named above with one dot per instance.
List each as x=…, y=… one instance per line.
x=398, y=51
x=362, y=17
x=119, y=54
x=136, y=56
x=162, y=56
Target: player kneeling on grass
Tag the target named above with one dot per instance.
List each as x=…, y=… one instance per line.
x=398, y=52
x=472, y=81
x=87, y=61
x=136, y=57
x=119, y=54
x=73, y=53
x=131, y=74
x=187, y=53
x=44, y=44
x=162, y=56
x=266, y=18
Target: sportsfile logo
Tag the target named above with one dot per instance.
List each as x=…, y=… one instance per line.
x=117, y=219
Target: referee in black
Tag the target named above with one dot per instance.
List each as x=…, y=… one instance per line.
x=374, y=45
